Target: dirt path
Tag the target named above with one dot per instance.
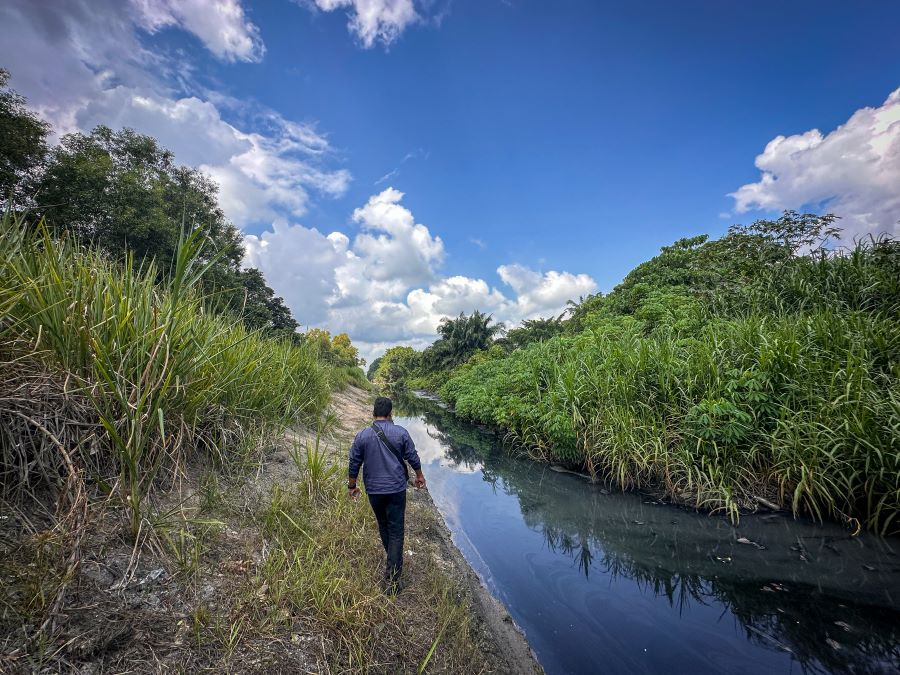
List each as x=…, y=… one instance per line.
x=202, y=589
x=426, y=533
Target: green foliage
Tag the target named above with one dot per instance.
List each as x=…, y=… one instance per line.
x=760, y=364
x=258, y=305
x=345, y=353
x=459, y=339
x=373, y=368
x=312, y=462
x=340, y=354
x=162, y=377
x=531, y=330
x=349, y=375
x=579, y=310
x=122, y=192
x=338, y=350
x=396, y=366
x=23, y=144
x=721, y=273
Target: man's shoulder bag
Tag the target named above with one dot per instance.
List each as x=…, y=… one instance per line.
x=390, y=446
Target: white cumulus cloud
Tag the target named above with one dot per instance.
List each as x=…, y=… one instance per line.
x=450, y=297
x=82, y=63
x=540, y=294
x=392, y=244
x=374, y=20
x=384, y=287
x=220, y=24
x=300, y=264
x=852, y=171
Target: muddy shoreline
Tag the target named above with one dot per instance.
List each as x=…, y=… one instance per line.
x=511, y=650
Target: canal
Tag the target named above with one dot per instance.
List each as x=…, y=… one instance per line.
x=612, y=582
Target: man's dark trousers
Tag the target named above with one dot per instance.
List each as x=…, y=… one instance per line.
x=390, y=512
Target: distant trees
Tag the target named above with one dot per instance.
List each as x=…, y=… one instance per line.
x=721, y=272
x=337, y=350
x=373, y=369
x=460, y=338
x=396, y=366
x=531, y=330
x=464, y=341
x=345, y=353
x=23, y=143
x=577, y=310
x=258, y=305
x=122, y=191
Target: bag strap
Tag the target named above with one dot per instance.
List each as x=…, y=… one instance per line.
x=391, y=447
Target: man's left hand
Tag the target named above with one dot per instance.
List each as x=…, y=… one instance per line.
x=420, y=481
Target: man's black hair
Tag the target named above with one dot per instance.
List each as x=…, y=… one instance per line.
x=383, y=407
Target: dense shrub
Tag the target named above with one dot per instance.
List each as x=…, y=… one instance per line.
x=786, y=387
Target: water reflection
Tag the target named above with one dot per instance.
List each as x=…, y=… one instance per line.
x=798, y=593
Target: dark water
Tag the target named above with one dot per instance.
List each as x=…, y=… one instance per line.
x=615, y=583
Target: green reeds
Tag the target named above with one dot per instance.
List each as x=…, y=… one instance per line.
x=793, y=396
x=163, y=378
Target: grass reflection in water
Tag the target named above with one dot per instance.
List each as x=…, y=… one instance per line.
x=813, y=591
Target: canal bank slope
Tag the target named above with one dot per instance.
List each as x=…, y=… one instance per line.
x=428, y=538
x=266, y=567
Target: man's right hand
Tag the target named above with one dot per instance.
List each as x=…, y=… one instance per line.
x=354, y=493
x=420, y=480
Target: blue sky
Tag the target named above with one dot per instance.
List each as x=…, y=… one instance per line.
x=542, y=148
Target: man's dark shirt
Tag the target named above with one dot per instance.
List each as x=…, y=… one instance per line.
x=382, y=472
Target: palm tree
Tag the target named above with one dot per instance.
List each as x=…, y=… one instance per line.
x=461, y=337
x=532, y=330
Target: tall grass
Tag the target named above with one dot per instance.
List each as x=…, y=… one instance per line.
x=156, y=377
x=342, y=376
x=792, y=396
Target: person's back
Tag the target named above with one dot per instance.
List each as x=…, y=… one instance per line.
x=382, y=471
x=381, y=451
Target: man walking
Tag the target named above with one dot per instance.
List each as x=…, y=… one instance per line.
x=381, y=450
